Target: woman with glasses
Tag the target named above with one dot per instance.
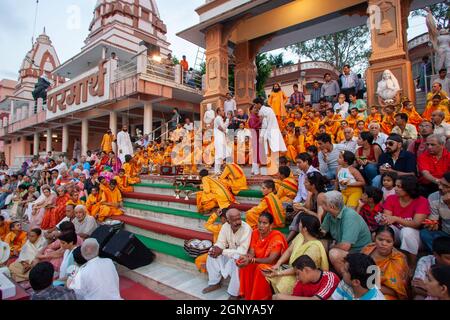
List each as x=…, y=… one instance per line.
x=405, y=212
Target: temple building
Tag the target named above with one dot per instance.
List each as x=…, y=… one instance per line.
x=119, y=77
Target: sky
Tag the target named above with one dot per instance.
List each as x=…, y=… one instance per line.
x=67, y=23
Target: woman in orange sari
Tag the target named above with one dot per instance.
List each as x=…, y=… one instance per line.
x=266, y=248
x=53, y=216
x=392, y=263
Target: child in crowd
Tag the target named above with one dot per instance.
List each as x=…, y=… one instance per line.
x=356, y=284
x=313, y=152
x=349, y=179
x=440, y=257
x=370, y=206
x=270, y=203
x=388, y=180
x=16, y=238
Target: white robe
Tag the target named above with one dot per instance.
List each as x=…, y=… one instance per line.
x=270, y=131
x=30, y=250
x=220, y=140
x=124, y=144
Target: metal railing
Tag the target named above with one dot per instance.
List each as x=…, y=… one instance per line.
x=164, y=128
x=125, y=71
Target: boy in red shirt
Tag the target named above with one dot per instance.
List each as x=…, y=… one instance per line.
x=313, y=283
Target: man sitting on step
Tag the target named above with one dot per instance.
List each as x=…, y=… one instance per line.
x=234, y=177
x=233, y=242
x=111, y=204
x=214, y=194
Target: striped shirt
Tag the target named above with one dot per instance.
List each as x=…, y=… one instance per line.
x=322, y=289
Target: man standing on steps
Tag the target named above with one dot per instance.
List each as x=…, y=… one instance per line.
x=233, y=242
x=220, y=140
x=124, y=145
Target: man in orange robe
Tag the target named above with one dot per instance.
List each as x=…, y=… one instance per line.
x=291, y=142
x=437, y=103
x=388, y=122
x=414, y=117
x=130, y=171
x=270, y=203
x=111, y=202
x=122, y=182
x=374, y=116
x=353, y=118
x=277, y=101
x=286, y=186
x=214, y=194
x=234, y=177
x=107, y=141
x=93, y=202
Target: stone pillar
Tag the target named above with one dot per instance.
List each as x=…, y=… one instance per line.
x=132, y=130
x=216, y=67
x=113, y=126
x=113, y=122
x=244, y=74
x=36, y=141
x=48, y=146
x=84, y=136
x=125, y=120
x=65, y=139
x=389, y=21
x=148, y=118
x=11, y=112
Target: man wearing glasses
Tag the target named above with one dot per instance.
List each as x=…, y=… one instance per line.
x=394, y=159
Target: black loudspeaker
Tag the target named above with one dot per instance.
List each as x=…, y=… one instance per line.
x=127, y=250
x=103, y=234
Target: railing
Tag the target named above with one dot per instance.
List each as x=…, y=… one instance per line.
x=164, y=128
x=125, y=71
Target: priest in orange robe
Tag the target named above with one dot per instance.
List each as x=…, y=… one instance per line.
x=111, y=202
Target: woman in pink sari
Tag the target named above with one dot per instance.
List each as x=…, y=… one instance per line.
x=254, y=123
x=47, y=202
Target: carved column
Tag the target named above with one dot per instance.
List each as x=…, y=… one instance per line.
x=244, y=75
x=216, y=67
x=389, y=46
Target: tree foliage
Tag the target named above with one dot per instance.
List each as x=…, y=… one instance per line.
x=440, y=11
x=346, y=47
x=264, y=68
x=278, y=61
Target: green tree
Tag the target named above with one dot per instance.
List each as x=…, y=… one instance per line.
x=175, y=60
x=346, y=47
x=440, y=11
x=264, y=68
x=277, y=61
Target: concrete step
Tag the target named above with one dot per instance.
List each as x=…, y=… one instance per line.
x=247, y=196
x=173, y=282
x=172, y=202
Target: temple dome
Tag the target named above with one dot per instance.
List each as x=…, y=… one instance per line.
x=142, y=16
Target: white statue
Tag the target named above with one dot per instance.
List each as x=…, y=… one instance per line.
x=209, y=116
x=388, y=89
x=441, y=43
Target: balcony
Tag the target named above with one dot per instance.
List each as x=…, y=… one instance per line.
x=145, y=68
x=303, y=66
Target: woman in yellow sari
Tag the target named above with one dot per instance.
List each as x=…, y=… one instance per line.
x=306, y=243
x=392, y=263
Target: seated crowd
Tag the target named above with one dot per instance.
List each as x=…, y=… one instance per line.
x=364, y=215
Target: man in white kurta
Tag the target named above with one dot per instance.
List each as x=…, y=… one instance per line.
x=124, y=145
x=220, y=140
x=271, y=139
x=97, y=279
x=232, y=243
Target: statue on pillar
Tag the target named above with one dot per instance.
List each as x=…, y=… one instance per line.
x=388, y=89
x=440, y=38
